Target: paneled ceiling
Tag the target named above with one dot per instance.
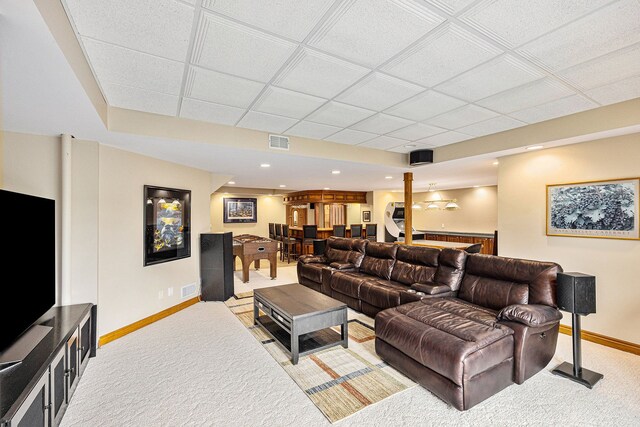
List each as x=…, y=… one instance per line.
x=387, y=74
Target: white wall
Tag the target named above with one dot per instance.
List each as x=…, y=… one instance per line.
x=522, y=181
x=128, y=291
x=270, y=209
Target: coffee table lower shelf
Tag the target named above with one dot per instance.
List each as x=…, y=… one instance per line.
x=308, y=343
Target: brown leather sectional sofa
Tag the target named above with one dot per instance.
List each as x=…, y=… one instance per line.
x=464, y=326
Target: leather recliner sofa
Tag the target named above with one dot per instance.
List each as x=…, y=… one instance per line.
x=482, y=323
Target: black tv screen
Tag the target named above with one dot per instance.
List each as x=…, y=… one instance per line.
x=28, y=244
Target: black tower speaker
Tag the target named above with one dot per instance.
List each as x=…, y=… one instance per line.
x=420, y=157
x=216, y=266
x=577, y=293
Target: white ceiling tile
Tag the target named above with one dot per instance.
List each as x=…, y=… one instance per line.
x=606, y=69
x=351, y=137
x=495, y=125
x=381, y=123
x=525, y=96
x=114, y=64
x=337, y=114
x=232, y=48
x=209, y=112
x=488, y=79
x=560, y=107
x=451, y=6
x=378, y=92
x=312, y=130
x=221, y=88
x=159, y=27
x=138, y=99
x=617, y=92
x=283, y=102
x=403, y=149
x=514, y=22
x=383, y=143
x=463, y=116
x=319, y=74
x=444, y=139
x=371, y=31
x=266, y=122
x=442, y=55
x=289, y=18
x=417, y=131
x=425, y=105
x=611, y=28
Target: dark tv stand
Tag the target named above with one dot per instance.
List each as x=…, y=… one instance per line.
x=55, y=351
x=25, y=345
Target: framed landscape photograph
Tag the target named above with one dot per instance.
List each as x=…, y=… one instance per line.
x=605, y=209
x=167, y=224
x=240, y=210
x=366, y=216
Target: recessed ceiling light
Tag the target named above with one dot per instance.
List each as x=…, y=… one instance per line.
x=535, y=147
x=496, y=162
x=476, y=186
x=410, y=145
x=335, y=172
x=265, y=165
x=282, y=186
x=388, y=177
x=231, y=182
x=326, y=188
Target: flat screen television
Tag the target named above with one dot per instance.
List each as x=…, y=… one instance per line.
x=28, y=229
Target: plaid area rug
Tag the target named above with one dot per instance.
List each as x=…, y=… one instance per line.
x=339, y=381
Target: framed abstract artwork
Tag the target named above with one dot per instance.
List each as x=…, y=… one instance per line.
x=167, y=224
x=604, y=209
x=238, y=210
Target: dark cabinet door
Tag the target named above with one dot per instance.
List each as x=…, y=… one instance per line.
x=34, y=412
x=72, y=364
x=58, y=387
x=84, y=350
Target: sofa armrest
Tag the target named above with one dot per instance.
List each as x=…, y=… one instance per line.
x=533, y=315
x=431, y=288
x=342, y=265
x=313, y=259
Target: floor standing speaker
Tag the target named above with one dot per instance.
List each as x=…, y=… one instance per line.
x=576, y=293
x=216, y=266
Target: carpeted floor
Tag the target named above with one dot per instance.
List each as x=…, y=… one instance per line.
x=202, y=367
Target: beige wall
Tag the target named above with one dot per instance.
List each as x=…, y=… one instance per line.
x=270, y=209
x=128, y=291
x=521, y=223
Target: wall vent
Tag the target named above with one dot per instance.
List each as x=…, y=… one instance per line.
x=279, y=142
x=189, y=290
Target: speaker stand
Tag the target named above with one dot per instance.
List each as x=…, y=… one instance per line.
x=576, y=372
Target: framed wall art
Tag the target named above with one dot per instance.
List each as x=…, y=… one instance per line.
x=167, y=224
x=605, y=209
x=366, y=216
x=240, y=210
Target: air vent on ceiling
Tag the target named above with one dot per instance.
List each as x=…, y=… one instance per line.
x=279, y=142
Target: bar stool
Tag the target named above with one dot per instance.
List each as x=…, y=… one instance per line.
x=272, y=231
x=319, y=246
x=371, y=232
x=340, y=230
x=278, y=237
x=287, y=244
x=309, y=234
x=356, y=231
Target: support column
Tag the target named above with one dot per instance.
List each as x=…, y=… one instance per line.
x=64, y=297
x=408, y=208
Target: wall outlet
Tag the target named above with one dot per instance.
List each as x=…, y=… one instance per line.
x=160, y=294
x=169, y=292
x=442, y=225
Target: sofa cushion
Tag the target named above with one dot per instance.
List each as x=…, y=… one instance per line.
x=379, y=259
x=381, y=293
x=415, y=264
x=311, y=271
x=311, y=259
x=348, y=283
x=344, y=250
x=451, y=266
x=451, y=337
x=497, y=282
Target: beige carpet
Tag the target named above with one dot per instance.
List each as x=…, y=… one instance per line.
x=339, y=381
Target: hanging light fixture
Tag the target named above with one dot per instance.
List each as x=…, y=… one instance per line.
x=438, y=203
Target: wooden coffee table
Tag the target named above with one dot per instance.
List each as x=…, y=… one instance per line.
x=300, y=318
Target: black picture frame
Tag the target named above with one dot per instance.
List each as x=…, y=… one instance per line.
x=167, y=224
x=240, y=210
x=366, y=216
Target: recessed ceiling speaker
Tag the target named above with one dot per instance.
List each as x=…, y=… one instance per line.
x=420, y=157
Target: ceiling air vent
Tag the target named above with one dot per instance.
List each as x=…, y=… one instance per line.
x=278, y=142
